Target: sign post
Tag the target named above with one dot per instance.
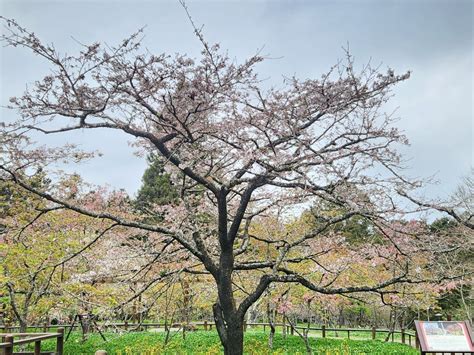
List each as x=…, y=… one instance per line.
x=444, y=337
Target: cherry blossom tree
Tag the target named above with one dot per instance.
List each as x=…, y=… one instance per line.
x=237, y=152
x=460, y=207
x=458, y=234
x=36, y=244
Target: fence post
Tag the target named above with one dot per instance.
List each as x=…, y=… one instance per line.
x=3, y=330
x=323, y=330
x=126, y=325
x=417, y=342
x=264, y=327
x=348, y=334
x=205, y=325
x=60, y=342
x=374, y=332
x=403, y=335
x=292, y=330
x=37, y=347
x=9, y=348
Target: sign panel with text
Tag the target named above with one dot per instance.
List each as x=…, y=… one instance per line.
x=444, y=336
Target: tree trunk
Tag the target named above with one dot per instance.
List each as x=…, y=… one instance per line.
x=252, y=313
x=271, y=319
x=230, y=327
x=23, y=326
x=23, y=329
x=235, y=340
x=229, y=321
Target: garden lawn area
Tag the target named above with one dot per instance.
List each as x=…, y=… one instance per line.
x=342, y=334
x=207, y=342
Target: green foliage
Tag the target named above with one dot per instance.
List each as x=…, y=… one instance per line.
x=202, y=342
x=13, y=199
x=451, y=301
x=157, y=187
x=34, y=244
x=357, y=229
x=442, y=225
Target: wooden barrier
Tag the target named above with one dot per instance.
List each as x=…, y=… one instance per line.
x=8, y=345
x=208, y=325
x=35, y=338
x=60, y=342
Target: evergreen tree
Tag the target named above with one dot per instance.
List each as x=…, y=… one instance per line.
x=157, y=187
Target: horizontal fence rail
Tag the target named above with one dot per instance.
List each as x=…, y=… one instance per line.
x=404, y=336
x=8, y=342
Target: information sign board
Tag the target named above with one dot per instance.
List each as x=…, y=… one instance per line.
x=443, y=336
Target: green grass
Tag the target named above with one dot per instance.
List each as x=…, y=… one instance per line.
x=341, y=334
x=201, y=342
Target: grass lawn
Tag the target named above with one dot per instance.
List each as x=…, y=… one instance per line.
x=201, y=342
x=341, y=334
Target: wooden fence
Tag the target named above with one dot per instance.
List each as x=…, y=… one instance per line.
x=8, y=342
x=402, y=335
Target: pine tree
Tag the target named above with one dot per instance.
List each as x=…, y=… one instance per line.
x=157, y=187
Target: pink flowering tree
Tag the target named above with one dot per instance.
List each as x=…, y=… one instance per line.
x=460, y=207
x=36, y=245
x=236, y=150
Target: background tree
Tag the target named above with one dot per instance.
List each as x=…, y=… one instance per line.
x=457, y=226
x=34, y=243
x=157, y=187
x=239, y=152
x=457, y=301
x=460, y=207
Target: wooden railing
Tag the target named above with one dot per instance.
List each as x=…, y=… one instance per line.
x=8, y=342
x=404, y=336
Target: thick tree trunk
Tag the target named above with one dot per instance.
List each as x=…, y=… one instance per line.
x=228, y=317
x=230, y=327
x=235, y=340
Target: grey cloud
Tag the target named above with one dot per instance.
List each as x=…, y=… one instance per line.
x=431, y=38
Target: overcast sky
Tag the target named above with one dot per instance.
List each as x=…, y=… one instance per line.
x=433, y=39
